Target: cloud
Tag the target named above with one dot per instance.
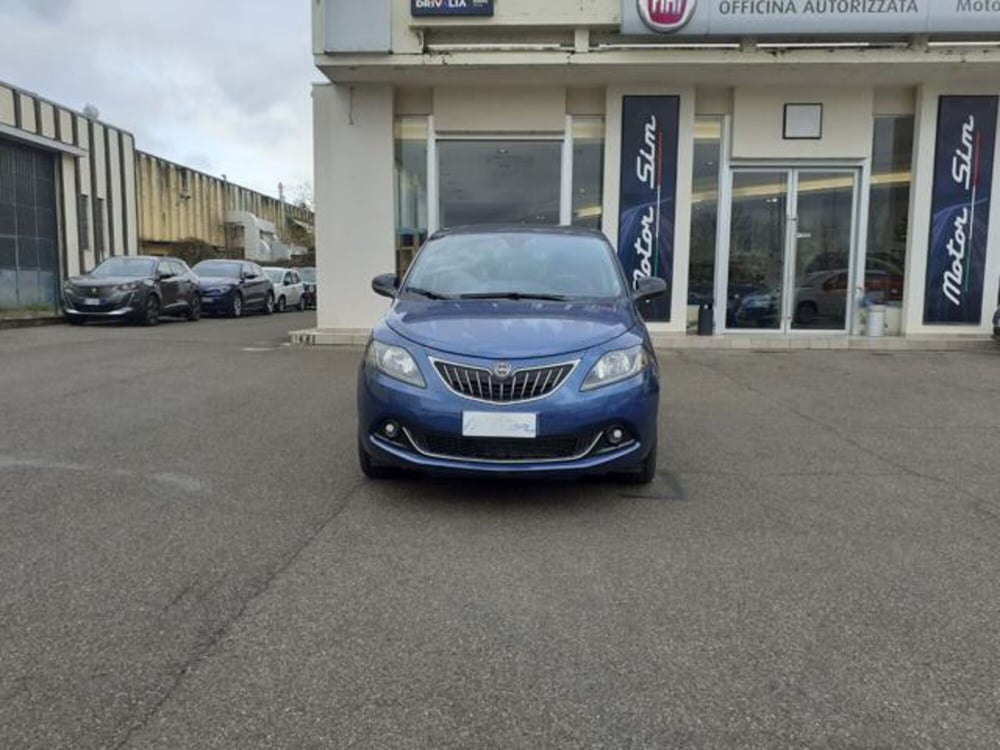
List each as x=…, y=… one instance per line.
x=228, y=81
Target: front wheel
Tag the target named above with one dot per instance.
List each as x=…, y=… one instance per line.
x=302, y=303
x=151, y=315
x=368, y=467
x=268, y=304
x=194, y=309
x=281, y=303
x=235, y=306
x=646, y=472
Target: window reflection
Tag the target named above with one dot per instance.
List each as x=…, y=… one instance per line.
x=889, y=209
x=499, y=182
x=704, y=208
x=588, y=171
x=411, y=188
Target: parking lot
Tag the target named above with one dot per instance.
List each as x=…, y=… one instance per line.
x=190, y=558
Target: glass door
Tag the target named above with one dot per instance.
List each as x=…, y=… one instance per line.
x=790, y=250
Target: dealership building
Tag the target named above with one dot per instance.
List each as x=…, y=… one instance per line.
x=794, y=164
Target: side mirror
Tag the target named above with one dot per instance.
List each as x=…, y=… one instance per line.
x=648, y=288
x=386, y=285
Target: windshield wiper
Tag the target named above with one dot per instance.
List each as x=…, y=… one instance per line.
x=515, y=296
x=426, y=293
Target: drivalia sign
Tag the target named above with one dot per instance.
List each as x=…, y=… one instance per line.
x=451, y=7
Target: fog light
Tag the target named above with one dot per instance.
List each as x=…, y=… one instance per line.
x=615, y=435
x=391, y=430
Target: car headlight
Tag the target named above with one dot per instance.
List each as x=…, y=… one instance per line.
x=395, y=362
x=615, y=366
x=130, y=287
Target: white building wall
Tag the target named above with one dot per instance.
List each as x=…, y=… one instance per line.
x=354, y=188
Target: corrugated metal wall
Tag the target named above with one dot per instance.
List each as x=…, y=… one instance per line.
x=178, y=204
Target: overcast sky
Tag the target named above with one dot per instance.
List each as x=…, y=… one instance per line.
x=222, y=86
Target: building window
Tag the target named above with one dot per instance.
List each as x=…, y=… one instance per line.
x=704, y=208
x=411, y=188
x=889, y=209
x=588, y=171
x=501, y=181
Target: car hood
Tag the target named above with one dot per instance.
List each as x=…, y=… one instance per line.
x=509, y=329
x=205, y=281
x=105, y=281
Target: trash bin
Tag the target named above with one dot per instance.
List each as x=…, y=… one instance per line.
x=876, y=321
x=705, y=323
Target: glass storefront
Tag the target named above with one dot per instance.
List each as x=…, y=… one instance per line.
x=889, y=209
x=411, y=188
x=499, y=181
x=588, y=171
x=704, y=208
x=791, y=244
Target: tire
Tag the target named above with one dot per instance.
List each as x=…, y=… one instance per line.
x=194, y=309
x=302, y=303
x=235, y=306
x=151, y=313
x=281, y=303
x=646, y=472
x=76, y=320
x=369, y=468
x=806, y=314
x=268, y=308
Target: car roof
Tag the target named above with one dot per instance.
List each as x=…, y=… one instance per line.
x=546, y=229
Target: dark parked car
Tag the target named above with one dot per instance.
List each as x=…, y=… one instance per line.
x=234, y=287
x=308, y=276
x=511, y=351
x=137, y=288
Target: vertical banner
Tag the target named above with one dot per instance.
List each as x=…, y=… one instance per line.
x=960, y=209
x=648, y=195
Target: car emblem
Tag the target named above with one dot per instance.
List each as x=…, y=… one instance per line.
x=665, y=16
x=502, y=370
x=94, y=291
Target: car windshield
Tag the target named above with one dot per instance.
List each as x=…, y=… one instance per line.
x=308, y=275
x=211, y=268
x=275, y=274
x=515, y=265
x=127, y=267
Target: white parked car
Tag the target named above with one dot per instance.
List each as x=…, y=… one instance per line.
x=288, y=288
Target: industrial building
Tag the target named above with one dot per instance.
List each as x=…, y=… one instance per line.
x=74, y=191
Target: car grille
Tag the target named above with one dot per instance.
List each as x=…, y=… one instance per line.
x=521, y=385
x=504, y=449
x=93, y=292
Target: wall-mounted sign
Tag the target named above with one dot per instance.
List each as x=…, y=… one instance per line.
x=451, y=7
x=649, y=193
x=960, y=209
x=738, y=18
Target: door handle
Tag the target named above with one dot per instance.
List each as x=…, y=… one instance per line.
x=803, y=235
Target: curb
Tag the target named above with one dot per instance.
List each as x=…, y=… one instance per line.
x=30, y=322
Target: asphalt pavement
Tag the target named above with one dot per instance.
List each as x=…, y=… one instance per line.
x=190, y=558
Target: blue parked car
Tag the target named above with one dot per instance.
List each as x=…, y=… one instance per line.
x=511, y=351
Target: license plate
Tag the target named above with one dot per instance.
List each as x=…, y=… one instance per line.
x=499, y=424
x=206, y=300
x=91, y=301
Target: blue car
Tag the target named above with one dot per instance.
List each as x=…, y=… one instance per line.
x=511, y=351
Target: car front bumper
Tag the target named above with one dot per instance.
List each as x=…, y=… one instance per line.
x=433, y=416
x=117, y=306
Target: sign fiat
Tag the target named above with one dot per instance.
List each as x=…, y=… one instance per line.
x=664, y=16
